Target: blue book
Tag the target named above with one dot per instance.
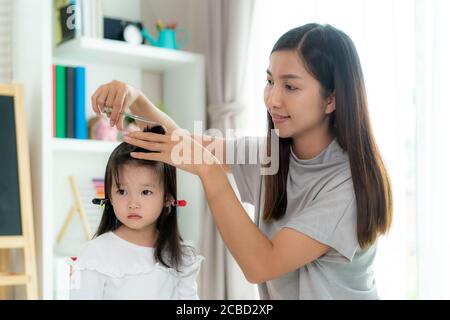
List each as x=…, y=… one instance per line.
x=80, y=103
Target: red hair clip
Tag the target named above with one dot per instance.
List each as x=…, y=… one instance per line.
x=179, y=203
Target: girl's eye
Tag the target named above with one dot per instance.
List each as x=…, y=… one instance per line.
x=120, y=191
x=269, y=82
x=147, y=192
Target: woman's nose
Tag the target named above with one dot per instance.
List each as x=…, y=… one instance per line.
x=273, y=98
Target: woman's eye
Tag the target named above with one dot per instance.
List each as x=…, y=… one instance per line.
x=121, y=191
x=269, y=82
x=147, y=192
x=290, y=88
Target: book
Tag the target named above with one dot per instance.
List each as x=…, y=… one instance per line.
x=68, y=22
x=78, y=18
x=54, y=100
x=57, y=5
x=60, y=101
x=80, y=103
x=70, y=102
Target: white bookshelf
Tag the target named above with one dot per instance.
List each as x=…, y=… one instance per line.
x=83, y=146
x=118, y=52
x=54, y=159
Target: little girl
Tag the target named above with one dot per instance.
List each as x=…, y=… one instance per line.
x=137, y=252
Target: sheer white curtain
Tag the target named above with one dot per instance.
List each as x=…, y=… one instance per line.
x=384, y=34
x=433, y=157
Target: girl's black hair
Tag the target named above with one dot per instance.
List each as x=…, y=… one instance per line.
x=330, y=56
x=168, y=247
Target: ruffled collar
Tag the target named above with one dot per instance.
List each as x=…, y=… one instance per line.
x=130, y=244
x=115, y=257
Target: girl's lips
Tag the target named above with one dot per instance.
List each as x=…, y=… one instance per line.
x=134, y=217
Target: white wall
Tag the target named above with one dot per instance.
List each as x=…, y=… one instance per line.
x=129, y=10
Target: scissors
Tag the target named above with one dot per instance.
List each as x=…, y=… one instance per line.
x=132, y=116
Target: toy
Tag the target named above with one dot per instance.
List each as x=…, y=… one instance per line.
x=100, y=129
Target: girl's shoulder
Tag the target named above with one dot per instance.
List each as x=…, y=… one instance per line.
x=99, y=241
x=96, y=247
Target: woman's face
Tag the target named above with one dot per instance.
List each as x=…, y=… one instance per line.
x=293, y=97
x=139, y=198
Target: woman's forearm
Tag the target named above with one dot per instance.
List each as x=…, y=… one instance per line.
x=145, y=108
x=216, y=145
x=248, y=245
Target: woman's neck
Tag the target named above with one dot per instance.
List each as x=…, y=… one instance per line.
x=308, y=146
x=145, y=237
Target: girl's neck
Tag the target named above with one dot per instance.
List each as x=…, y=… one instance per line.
x=308, y=146
x=145, y=237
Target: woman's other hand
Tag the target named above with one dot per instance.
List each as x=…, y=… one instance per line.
x=178, y=149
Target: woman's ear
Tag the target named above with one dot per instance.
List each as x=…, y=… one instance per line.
x=331, y=104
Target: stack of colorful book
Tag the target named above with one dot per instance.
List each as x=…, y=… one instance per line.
x=69, y=102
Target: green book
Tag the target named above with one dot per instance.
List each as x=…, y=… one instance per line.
x=60, y=101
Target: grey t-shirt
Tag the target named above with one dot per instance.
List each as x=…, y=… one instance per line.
x=321, y=204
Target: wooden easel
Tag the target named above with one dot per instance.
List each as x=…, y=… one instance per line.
x=76, y=208
x=25, y=240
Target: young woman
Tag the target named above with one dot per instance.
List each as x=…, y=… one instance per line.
x=319, y=216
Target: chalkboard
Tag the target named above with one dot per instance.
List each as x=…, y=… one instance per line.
x=10, y=213
x=16, y=211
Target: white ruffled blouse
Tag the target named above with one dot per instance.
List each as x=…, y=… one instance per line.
x=112, y=268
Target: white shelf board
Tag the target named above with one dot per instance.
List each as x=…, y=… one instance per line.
x=125, y=54
x=79, y=145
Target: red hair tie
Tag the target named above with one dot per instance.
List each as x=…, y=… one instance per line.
x=180, y=203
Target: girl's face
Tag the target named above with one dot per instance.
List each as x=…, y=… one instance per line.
x=293, y=97
x=139, y=198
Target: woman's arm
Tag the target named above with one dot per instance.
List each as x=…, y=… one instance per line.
x=123, y=97
x=259, y=257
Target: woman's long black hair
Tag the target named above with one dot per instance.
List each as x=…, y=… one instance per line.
x=168, y=247
x=330, y=56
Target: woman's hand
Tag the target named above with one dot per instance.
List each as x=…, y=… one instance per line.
x=122, y=97
x=116, y=95
x=178, y=149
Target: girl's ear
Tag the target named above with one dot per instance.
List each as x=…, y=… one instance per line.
x=169, y=200
x=331, y=104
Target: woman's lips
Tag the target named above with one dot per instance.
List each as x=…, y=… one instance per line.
x=134, y=217
x=279, y=119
